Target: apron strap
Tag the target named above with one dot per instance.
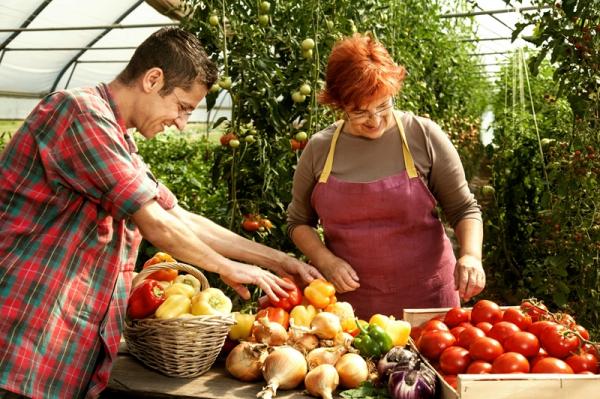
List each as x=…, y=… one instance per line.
x=409, y=163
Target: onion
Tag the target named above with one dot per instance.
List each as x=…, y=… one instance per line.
x=322, y=381
x=285, y=368
x=303, y=341
x=352, y=369
x=245, y=361
x=326, y=325
x=324, y=355
x=268, y=332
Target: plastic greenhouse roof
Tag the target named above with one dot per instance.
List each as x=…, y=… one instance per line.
x=46, y=45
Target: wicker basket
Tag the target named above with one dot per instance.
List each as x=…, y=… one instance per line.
x=182, y=347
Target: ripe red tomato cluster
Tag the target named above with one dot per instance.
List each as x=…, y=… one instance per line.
x=487, y=339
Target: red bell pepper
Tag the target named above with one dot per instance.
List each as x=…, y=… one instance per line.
x=277, y=315
x=294, y=298
x=145, y=299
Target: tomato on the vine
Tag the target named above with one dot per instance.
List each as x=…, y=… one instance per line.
x=539, y=326
x=536, y=310
x=518, y=318
x=510, y=362
x=582, y=331
x=250, y=224
x=558, y=342
x=583, y=362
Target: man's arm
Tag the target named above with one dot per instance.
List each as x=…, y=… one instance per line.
x=166, y=232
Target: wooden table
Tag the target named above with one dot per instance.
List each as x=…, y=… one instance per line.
x=131, y=379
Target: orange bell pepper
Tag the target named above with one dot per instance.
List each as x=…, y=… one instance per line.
x=320, y=293
x=165, y=274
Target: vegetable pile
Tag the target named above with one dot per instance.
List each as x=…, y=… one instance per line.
x=309, y=338
x=488, y=339
x=165, y=294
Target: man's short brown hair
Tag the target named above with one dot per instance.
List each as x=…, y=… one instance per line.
x=178, y=53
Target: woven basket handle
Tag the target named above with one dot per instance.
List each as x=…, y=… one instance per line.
x=171, y=265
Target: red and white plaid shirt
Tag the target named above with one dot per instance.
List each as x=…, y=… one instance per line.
x=70, y=179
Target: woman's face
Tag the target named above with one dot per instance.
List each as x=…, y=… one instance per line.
x=370, y=120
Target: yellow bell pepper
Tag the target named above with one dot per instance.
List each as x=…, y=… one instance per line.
x=211, y=301
x=180, y=289
x=189, y=280
x=242, y=327
x=174, y=306
x=398, y=330
x=320, y=293
x=345, y=312
x=303, y=315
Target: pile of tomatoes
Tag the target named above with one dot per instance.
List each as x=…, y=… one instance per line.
x=488, y=339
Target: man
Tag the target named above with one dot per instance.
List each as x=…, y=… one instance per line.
x=74, y=198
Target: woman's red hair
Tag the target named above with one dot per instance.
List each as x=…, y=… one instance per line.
x=359, y=71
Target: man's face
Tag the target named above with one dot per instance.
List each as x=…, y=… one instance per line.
x=168, y=110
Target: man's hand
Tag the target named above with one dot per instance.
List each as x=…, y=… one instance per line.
x=469, y=277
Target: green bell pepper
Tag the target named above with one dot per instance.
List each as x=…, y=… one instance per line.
x=372, y=341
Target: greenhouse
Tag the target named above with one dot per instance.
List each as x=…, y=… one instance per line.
x=260, y=198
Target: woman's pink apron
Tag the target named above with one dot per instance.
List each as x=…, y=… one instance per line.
x=388, y=231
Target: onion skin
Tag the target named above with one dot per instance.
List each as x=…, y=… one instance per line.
x=326, y=325
x=322, y=381
x=285, y=368
x=352, y=369
x=245, y=361
x=324, y=355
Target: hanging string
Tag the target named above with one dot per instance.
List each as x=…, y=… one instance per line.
x=535, y=124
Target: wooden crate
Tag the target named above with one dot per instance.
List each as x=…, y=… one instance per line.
x=511, y=386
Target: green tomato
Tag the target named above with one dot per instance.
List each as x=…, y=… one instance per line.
x=307, y=54
x=249, y=139
x=264, y=7
x=213, y=20
x=487, y=191
x=329, y=24
x=308, y=44
x=305, y=89
x=301, y=136
x=298, y=97
x=215, y=88
x=225, y=82
x=234, y=143
x=263, y=19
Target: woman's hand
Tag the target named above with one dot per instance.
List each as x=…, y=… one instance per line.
x=338, y=272
x=469, y=277
x=237, y=274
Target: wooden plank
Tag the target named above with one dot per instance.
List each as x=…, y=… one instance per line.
x=131, y=379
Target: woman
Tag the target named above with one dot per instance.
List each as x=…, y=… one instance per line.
x=373, y=181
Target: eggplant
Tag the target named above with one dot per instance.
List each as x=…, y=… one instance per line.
x=397, y=358
x=417, y=383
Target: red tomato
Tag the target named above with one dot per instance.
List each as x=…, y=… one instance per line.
x=518, y=318
x=557, y=342
x=539, y=326
x=542, y=354
x=536, y=311
x=470, y=334
x=433, y=343
x=479, y=367
x=457, y=330
x=484, y=326
x=485, y=348
x=523, y=342
x=588, y=348
x=551, y=365
x=455, y=316
x=485, y=310
x=452, y=380
x=583, y=362
x=566, y=320
x=454, y=360
x=502, y=330
x=250, y=224
x=434, y=325
x=415, y=333
x=582, y=331
x=510, y=362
